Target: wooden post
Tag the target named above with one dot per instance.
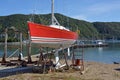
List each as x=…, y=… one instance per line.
x=5, y=47
x=29, y=49
x=73, y=56
x=20, y=54
x=21, y=42
x=82, y=62
x=65, y=56
x=41, y=58
x=51, y=55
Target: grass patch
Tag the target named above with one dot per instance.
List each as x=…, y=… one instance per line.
x=117, y=75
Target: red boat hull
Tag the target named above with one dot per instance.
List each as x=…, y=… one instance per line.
x=51, y=37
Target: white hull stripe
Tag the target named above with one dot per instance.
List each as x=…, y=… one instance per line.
x=44, y=39
x=52, y=42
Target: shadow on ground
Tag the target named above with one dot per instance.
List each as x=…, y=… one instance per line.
x=117, y=69
x=14, y=71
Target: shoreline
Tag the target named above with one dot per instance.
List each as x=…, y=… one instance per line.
x=92, y=71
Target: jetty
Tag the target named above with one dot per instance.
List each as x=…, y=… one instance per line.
x=90, y=45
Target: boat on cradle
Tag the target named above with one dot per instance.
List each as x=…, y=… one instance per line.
x=53, y=36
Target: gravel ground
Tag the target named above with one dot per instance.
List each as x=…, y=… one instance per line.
x=93, y=71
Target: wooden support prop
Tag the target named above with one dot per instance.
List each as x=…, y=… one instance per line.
x=5, y=47
x=65, y=56
x=73, y=56
x=29, y=50
x=20, y=57
x=40, y=57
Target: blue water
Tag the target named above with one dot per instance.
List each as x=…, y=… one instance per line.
x=12, y=48
x=103, y=54
x=98, y=54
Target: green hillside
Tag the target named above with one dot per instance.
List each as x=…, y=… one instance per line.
x=95, y=30
x=108, y=30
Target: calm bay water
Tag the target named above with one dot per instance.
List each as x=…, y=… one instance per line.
x=98, y=54
x=103, y=54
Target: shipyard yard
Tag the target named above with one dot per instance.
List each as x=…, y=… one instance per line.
x=93, y=71
x=83, y=44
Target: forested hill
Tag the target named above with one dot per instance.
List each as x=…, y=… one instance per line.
x=95, y=30
x=108, y=30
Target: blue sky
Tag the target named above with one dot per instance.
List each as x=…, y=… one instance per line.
x=89, y=10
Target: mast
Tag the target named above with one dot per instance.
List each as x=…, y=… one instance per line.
x=54, y=20
x=52, y=11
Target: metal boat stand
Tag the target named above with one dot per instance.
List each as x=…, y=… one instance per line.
x=77, y=59
x=45, y=63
